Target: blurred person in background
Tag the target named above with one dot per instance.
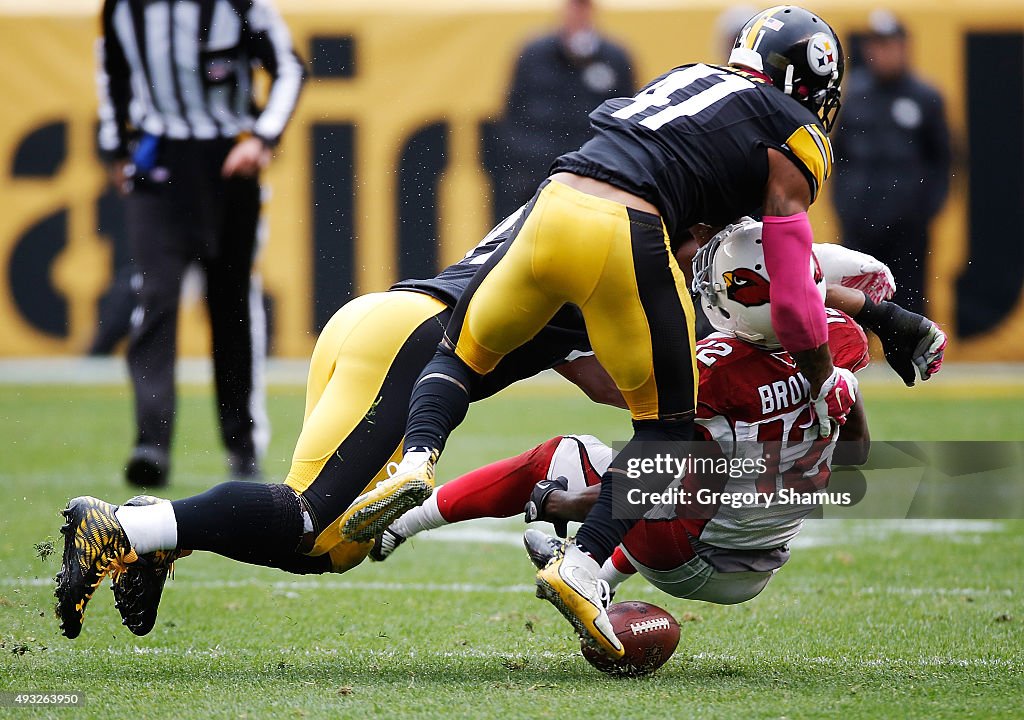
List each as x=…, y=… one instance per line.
x=892, y=159
x=558, y=79
x=185, y=143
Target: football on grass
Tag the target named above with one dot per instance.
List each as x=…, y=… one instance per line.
x=648, y=634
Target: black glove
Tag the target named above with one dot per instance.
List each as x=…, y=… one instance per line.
x=535, y=506
x=911, y=342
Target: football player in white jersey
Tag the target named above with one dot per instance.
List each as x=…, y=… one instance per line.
x=752, y=399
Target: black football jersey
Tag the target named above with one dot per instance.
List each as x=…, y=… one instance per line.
x=693, y=142
x=449, y=285
x=563, y=336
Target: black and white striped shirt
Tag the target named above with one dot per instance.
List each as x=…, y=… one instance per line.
x=182, y=69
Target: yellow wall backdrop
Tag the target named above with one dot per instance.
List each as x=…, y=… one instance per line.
x=417, y=63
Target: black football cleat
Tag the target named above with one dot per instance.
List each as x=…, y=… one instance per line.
x=147, y=467
x=95, y=544
x=137, y=589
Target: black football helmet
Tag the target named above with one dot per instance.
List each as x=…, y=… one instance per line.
x=799, y=52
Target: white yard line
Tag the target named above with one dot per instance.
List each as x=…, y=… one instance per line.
x=508, y=532
x=873, y=662
x=816, y=533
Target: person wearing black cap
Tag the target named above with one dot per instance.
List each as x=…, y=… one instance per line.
x=892, y=159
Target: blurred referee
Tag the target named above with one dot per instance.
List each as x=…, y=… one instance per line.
x=185, y=142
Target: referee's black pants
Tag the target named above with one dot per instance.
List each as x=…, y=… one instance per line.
x=195, y=215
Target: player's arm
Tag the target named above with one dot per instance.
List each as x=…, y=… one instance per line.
x=848, y=300
x=798, y=312
x=910, y=341
x=588, y=375
x=570, y=507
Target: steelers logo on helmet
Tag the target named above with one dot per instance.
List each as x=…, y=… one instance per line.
x=822, y=54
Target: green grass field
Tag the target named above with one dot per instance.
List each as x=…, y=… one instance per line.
x=868, y=620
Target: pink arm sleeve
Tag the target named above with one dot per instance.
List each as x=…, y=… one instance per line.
x=798, y=312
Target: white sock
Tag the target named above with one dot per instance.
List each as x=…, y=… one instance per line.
x=413, y=459
x=425, y=517
x=149, y=527
x=611, y=575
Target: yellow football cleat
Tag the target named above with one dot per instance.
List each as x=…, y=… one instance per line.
x=94, y=545
x=371, y=513
x=569, y=582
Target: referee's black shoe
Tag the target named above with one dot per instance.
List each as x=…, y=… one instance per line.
x=147, y=467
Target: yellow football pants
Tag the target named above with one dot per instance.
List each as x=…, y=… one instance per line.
x=357, y=394
x=616, y=264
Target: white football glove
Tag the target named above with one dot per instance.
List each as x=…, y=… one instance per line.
x=834, y=400
x=852, y=269
x=929, y=353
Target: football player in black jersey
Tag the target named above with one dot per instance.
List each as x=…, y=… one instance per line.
x=700, y=144
x=361, y=376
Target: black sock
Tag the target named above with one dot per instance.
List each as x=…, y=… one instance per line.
x=606, y=524
x=296, y=563
x=439, y=401
x=247, y=521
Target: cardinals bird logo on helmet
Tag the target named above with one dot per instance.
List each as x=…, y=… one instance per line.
x=746, y=287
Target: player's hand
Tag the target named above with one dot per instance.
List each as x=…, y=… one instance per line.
x=852, y=269
x=535, y=506
x=834, y=400
x=928, y=354
x=912, y=342
x=246, y=158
